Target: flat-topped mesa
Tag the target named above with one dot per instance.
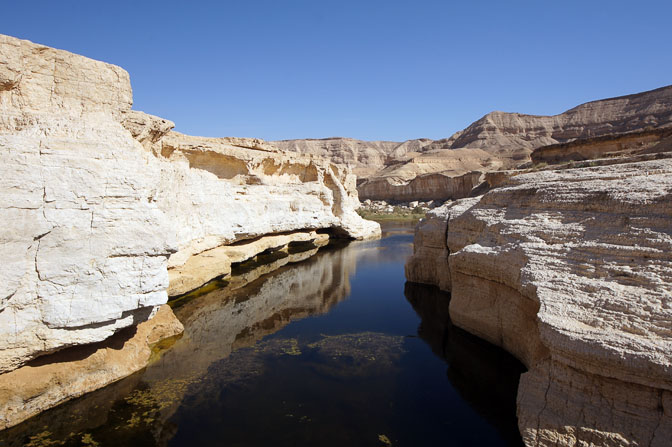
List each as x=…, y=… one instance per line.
x=571, y=271
x=98, y=200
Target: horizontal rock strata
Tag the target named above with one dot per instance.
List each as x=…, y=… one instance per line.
x=98, y=201
x=499, y=140
x=571, y=271
x=620, y=145
x=423, y=187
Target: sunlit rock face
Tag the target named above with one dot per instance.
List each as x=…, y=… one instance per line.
x=97, y=201
x=83, y=246
x=570, y=271
x=424, y=169
x=425, y=187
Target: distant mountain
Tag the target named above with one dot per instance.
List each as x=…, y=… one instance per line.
x=497, y=140
x=365, y=157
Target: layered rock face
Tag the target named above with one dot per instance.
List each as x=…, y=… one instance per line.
x=98, y=201
x=570, y=271
x=425, y=187
x=610, y=146
x=266, y=192
x=513, y=136
x=499, y=140
x=365, y=157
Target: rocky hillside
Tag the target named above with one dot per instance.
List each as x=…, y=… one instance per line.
x=499, y=140
x=103, y=208
x=513, y=136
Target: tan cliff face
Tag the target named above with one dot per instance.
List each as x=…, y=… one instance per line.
x=98, y=201
x=653, y=141
x=569, y=270
x=422, y=187
x=365, y=157
x=498, y=140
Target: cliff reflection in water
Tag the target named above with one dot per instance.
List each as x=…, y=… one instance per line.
x=484, y=375
x=253, y=369
x=216, y=323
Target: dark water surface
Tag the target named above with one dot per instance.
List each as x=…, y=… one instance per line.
x=333, y=350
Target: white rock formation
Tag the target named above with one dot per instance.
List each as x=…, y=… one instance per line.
x=95, y=198
x=210, y=264
x=84, y=250
x=215, y=193
x=570, y=271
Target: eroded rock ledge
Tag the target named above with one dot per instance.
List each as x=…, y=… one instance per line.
x=98, y=201
x=571, y=271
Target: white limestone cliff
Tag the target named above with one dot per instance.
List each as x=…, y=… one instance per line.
x=98, y=200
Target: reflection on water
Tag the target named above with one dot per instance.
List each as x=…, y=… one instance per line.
x=485, y=376
x=322, y=351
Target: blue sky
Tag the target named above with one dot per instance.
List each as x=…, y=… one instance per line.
x=373, y=70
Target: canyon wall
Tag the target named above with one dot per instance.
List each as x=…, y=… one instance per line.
x=570, y=271
x=513, y=136
x=425, y=187
x=498, y=140
x=365, y=157
x=98, y=201
x=644, y=142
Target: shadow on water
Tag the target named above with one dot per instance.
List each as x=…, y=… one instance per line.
x=320, y=351
x=485, y=375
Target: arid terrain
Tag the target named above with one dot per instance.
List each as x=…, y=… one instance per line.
x=552, y=235
x=449, y=168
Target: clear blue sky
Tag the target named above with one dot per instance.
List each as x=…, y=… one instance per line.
x=393, y=70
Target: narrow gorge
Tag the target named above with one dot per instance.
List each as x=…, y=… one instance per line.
x=165, y=289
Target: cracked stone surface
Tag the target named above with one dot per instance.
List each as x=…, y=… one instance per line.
x=570, y=271
x=98, y=200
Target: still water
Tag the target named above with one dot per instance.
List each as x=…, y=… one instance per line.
x=329, y=350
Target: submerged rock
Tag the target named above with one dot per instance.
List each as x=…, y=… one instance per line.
x=54, y=379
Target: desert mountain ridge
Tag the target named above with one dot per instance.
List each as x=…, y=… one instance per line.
x=498, y=140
